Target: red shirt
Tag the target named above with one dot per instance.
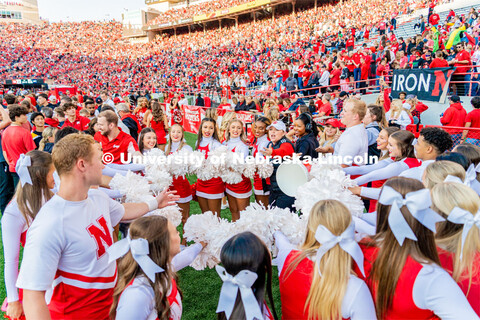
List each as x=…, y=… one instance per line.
x=434, y=18
x=335, y=79
x=365, y=71
x=80, y=123
x=474, y=118
x=325, y=107
x=350, y=43
x=439, y=63
x=454, y=116
x=16, y=140
x=461, y=56
x=116, y=146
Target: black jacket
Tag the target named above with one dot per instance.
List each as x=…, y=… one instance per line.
x=306, y=145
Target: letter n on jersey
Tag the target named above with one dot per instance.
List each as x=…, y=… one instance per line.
x=101, y=236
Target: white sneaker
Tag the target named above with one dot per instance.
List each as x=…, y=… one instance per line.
x=224, y=206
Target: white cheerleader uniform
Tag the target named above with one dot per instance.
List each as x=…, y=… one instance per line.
x=137, y=301
x=357, y=304
x=212, y=188
x=66, y=246
x=181, y=184
x=242, y=189
x=14, y=230
x=261, y=187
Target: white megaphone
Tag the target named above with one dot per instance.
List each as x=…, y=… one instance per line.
x=290, y=176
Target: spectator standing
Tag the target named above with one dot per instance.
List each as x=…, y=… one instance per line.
x=38, y=121
x=472, y=121
x=461, y=61
x=16, y=140
x=454, y=116
x=129, y=120
x=112, y=139
x=439, y=61
x=73, y=120
x=42, y=101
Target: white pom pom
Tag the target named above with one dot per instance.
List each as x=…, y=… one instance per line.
x=249, y=170
x=265, y=169
x=328, y=182
x=135, y=187
x=159, y=177
x=172, y=213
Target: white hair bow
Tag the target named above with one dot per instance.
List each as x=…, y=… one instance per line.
x=417, y=202
x=140, y=251
x=346, y=241
x=470, y=176
x=462, y=216
x=243, y=281
x=23, y=163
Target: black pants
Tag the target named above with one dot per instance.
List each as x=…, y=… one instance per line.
x=460, y=86
x=281, y=200
x=7, y=186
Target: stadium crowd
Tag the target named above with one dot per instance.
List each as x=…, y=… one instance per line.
x=300, y=77
x=93, y=56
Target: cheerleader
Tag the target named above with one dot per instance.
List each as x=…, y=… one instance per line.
x=247, y=265
x=157, y=120
x=317, y=281
x=260, y=186
x=238, y=194
x=374, y=122
x=458, y=240
x=180, y=184
x=36, y=175
x=209, y=192
x=147, y=283
x=140, y=111
x=401, y=151
x=174, y=112
x=438, y=171
x=147, y=140
x=401, y=262
x=222, y=130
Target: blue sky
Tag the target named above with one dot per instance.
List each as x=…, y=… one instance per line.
x=80, y=10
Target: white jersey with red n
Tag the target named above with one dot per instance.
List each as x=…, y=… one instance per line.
x=14, y=229
x=242, y=189
x=66, y=246
x=213, y=188
x=181, y=184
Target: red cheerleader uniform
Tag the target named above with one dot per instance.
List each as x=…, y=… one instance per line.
x=181, y=184
x=140, y=115
x=242, y=189
x=471, y=290
x=261, y=187
x=159, y=128
x=212, y=188
x=423, y=291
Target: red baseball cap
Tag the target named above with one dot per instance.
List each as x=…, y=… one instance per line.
x=334, y=123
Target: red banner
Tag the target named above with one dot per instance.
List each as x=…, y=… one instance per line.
x=192, y=116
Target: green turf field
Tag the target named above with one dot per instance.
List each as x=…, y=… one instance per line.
x=200, y=289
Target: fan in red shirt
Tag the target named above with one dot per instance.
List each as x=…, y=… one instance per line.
x=434, y=18
x=350, y=44
x=454, y=116
x=461, y=62
x=73, y=120
x=472, y=121
x=112, y=139
x=324, y=107
x=439, y=62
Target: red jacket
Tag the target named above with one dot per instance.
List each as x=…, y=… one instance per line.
x=454, y=116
